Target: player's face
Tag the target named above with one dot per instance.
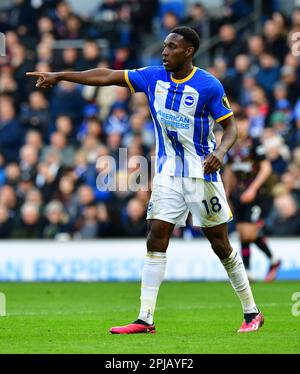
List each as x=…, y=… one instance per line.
x=176, y=52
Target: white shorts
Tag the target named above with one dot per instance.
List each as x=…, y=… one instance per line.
x=173, y=198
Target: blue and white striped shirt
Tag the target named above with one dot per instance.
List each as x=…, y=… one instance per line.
x=180, y=110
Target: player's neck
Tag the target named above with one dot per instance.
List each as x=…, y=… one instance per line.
x=184, y=72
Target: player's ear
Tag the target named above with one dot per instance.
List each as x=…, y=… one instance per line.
x=189, y=51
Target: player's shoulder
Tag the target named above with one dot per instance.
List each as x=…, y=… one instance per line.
x=154, y=69
x=208, y=79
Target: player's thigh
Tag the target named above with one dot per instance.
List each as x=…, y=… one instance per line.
x=247, y=231
x=167, y=202
x=208, y=204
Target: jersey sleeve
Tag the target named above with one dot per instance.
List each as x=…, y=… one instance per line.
x=138, y=80
x=219, y=106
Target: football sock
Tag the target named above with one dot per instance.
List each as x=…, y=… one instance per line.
x=141, y=322
x=239, y=281
x=152, y=277
x=246, y=254
x=262, y=245
x=249, y=316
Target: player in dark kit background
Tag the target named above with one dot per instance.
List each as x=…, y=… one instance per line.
x=248, y=182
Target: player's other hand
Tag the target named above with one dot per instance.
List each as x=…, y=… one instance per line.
x=44, y=80
x=213, y=162
x=248, y=196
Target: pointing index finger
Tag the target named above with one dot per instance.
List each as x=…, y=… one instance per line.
x=33, y=74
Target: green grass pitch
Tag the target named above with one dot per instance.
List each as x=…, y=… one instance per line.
x=194, y=317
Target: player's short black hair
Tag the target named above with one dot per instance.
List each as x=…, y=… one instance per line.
x=189, y=35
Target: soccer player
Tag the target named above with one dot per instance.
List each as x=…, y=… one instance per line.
x=248, y=171
x=181, y=99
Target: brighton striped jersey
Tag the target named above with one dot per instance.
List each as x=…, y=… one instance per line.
x=181, y=111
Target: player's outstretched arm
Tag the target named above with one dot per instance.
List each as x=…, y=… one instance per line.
x=215, y=159
x=94, y=77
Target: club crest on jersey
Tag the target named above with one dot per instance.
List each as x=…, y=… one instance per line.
x=225, y=102
x=189, y=101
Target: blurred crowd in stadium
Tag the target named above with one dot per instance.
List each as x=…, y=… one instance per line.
x=50, y=140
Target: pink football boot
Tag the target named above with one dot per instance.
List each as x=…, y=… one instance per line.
x=254, y=325
x=136, y=327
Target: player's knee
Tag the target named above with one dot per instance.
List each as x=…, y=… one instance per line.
x=156, y=243
x=248, y=237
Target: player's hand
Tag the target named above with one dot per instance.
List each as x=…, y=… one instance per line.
x=44, y=80
x=213, y=162
x=248, y=196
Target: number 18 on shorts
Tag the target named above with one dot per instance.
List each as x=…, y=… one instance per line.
x=173, y=198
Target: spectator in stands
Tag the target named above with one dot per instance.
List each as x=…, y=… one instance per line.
x=133, y=222
x=8, y=85
x=67, y=60
x=169, y=21
x=277, y=152
x=6, y=223
x=275, y=40
x=34, y=196
x=34, y=138
x=89, y=226
x=28, y=162
x=74, y=27
x=45, y=26
x=292, y=184
x=256, y=47
x=289, y=78
x=268, y=72
x=230, y=45
x=67, y=100
x=49, y=174
x=21, y=63
x=196, y=18
x=59, y=145
x=65, y=193
x=10, y=130
x=29, y=225
x=12, y=174
x=284, y=218
x=64, y=126
x=91, y=56
x=57, y=221
x=242, y=66
x=62, y=12
x=118, y=120
x=105, y=227
x=36, y=115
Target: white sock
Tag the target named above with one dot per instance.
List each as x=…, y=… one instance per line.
x=152, y=277
x=239, y=281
